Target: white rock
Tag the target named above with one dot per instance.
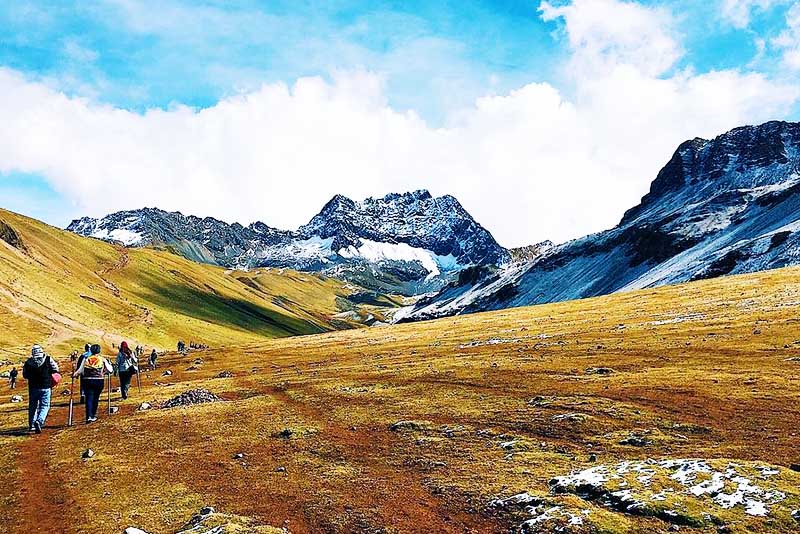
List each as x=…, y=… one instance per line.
x=134, y=530
x=16, y=398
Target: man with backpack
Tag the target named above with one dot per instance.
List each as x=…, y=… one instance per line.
x=38, y=371
x=12, y=378
x=153, y=358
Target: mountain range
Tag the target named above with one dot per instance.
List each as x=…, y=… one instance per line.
x=407, y=243
x=721, y=206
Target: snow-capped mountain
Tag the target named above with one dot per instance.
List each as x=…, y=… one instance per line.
x=722, y=206
x=409, y=242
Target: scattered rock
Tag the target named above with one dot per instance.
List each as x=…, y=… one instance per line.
x=795, y=467
x=592, y=457
x=796, y=515
x=570, y=417
x=133, y=530
x=635, y=440
x=286, y=433
x=238, y=456
x=166, y=373
x=144, y=407
x=224, y=374
x=16, y=398
x=208, y=521
x=191, y=397
x=402, y=426
x=115, y=409
x=88, y=453
x=280, y=469
x=599, y=370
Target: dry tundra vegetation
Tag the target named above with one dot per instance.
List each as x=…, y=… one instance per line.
x=652, y=411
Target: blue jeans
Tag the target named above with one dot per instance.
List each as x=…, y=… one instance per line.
x=38, y=406
x=93, y=389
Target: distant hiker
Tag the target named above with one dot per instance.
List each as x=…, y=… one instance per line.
x=127, y=364
x=93, y=370
x=86, y=353
x=73, y=355
x=38, y=371
x=153, y=358
x=12, y=378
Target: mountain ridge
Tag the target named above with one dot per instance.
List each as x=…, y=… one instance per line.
x=406, y=242
x=722, y=206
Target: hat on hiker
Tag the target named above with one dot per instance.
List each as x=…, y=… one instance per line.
x=95, y=349
x=37, y=351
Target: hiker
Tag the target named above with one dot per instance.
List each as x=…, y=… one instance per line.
x=38, y=371
x=12, y=378
x=86, y=353
x=93, y=370
x=153, y=358
x=126, y=368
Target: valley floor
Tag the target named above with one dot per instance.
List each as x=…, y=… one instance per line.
x=423, y=427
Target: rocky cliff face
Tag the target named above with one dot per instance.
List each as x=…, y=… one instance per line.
x=722, y=206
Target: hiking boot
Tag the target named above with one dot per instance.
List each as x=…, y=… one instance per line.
x=31, y=429
x=37, y=427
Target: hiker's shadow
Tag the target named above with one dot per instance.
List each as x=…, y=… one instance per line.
x=14, y=432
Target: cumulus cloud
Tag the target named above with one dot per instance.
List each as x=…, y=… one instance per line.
x=739, y=12
x=788, y=42
x=540, y=162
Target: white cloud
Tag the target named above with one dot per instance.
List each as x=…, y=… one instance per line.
x=788, y=42
x=532, y=164
x=739, y=12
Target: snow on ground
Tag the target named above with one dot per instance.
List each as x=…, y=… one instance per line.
x=375, y=251
x=635, y=485
x=123, y=235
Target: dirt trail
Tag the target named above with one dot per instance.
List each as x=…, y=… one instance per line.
x=42, y=494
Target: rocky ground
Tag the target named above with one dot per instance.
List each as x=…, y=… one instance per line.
x=665, y=410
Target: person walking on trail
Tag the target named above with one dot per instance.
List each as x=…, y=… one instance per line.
x=153, y=358
x=93, y=371
x=12, y=378
x=127, y=366
x=86, y=353
x=38, y=371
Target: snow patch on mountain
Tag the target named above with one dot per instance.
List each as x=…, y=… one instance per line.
x=375, y=251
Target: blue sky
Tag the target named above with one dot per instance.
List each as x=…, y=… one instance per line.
x=425, y=64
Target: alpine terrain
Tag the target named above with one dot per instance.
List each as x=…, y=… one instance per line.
x=408, y=243
x=722, y=206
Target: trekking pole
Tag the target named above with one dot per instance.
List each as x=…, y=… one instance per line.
x=109, y=395
x=71, y=396
x=139, y=380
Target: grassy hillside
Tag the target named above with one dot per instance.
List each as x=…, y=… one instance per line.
x=682, y=400
x=60, y=290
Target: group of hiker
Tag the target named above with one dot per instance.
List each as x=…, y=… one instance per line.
x=192, y=345
x=91, y=368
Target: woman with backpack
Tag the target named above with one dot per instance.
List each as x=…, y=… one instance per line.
x=41, y=372
x=93, y=371
x=126, y=367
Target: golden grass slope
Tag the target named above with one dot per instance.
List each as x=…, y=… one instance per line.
x=62, y=290
x=490, y=406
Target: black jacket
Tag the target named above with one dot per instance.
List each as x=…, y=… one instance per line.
x=38, y=372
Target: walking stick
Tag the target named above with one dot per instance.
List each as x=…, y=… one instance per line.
x=109, y=395
x=71, y=396
x=139, y=380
